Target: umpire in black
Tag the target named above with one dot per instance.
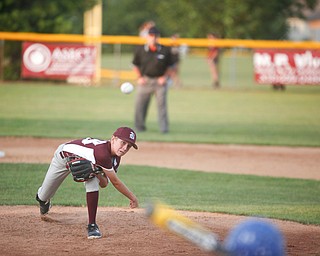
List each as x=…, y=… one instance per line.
x=152, y=64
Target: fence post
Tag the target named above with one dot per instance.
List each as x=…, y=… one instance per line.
x=93, y=27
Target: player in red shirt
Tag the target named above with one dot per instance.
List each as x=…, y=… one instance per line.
x=104, y=153
x=213, y=61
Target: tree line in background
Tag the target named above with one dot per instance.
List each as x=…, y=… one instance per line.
x=246, y=19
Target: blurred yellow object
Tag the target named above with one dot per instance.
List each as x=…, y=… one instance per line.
x=167, y=218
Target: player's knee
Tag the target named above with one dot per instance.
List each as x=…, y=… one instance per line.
x=103, y=184
x=92, y=185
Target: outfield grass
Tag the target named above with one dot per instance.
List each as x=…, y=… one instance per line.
x=236, y=70
x=196, y=115
x=281, y=198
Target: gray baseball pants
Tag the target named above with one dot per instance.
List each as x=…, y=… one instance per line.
x=143, y=97
x=56, y=174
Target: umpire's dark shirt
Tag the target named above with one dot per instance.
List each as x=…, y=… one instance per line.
x=152, y=64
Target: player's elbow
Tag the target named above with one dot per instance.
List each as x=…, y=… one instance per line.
x=116, y=184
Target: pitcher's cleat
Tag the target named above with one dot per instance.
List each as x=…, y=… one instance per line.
x=44, y=206
x=93, y=231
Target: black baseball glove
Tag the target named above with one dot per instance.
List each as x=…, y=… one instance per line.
x=82, y=169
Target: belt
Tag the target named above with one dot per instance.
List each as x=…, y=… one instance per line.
x=65, y=154
x=152, y=77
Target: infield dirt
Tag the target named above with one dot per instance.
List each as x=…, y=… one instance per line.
x=128, y=232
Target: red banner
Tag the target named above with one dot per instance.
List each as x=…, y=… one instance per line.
x=284, y=67
x=69, y=62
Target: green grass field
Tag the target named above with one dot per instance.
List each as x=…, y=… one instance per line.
x=287, y=199
x=239, y=113
x=196, y=115
x=236, y=69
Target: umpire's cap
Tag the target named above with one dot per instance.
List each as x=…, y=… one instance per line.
x=126, y=134
x=154, y=31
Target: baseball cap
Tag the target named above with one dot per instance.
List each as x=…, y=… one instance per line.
x=154, y=30
x=126, y=134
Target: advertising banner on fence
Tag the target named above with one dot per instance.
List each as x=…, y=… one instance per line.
x=272, y=66
x=71, y=62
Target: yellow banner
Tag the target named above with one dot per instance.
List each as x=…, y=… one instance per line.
x=191, y=42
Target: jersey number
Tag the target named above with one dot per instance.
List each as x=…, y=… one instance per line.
x=95, y=142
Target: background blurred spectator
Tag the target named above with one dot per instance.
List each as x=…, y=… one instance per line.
x=213, y=61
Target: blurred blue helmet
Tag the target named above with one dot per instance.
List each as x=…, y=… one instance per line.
x=255, y=238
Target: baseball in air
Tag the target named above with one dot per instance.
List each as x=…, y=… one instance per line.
x=126, y=88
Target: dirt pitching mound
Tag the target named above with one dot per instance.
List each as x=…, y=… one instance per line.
x=125, y=232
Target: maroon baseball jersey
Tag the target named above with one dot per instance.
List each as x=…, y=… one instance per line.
x=95, y=150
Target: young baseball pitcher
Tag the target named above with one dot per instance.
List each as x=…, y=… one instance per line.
x=94, y=162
